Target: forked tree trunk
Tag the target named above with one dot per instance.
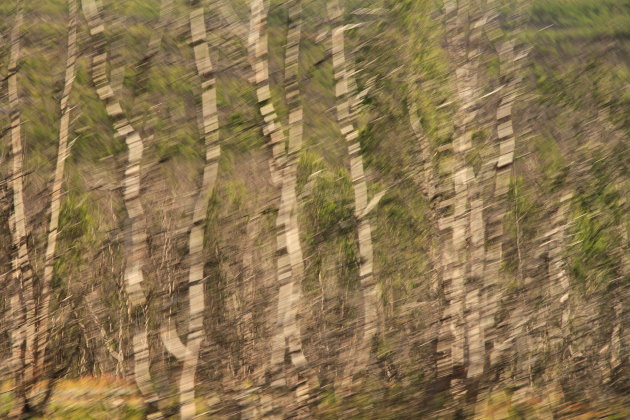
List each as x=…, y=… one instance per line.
x=33, y=337
x=188, y=353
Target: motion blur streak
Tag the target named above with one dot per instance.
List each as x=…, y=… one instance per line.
x=371, y=209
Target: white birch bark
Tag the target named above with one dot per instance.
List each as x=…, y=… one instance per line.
x=62, y=154
x=452, y=334
x=518, y=347
x=135, y=230
x=346, y=121
x=32, y=320
x=504, y=167
x=23, y=303
x=188, y=354
x=469, y=281
x=286, y=335
x=289, y=183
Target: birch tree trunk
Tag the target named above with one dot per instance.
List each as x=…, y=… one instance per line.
x=23, y=303
x=289, y=182
x=188, y=353
x=33, y=319
x=135, y=230
x=286, y=334
x=62, y=154
x=461, y=348
x=495, y=211
x=503, y=175
x=346, y=121
x=557, y=276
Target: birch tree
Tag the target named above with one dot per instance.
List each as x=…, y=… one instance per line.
x=291, y=205
x=346, y=118
x=463, y=329
x=62, y=154
x=22, y=302
x=497, y=210
x=468, y=336
x=135, y=230
x=31, y=313
x=286, y=333
x=188, y=354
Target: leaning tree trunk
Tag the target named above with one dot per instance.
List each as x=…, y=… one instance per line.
x=188, y=354
x=34, y=318
x=135, y=230
x=23, y=303
x=62, y=153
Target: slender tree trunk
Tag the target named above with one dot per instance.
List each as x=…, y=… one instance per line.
x=346, y=120
x=557, y=276
x=289, y=183
x=503, y=175
x=286, y=335
x=135, y=230
x=62, y=153
x=461, y=340
x=258, y=57
x=23, y=304
x=188, y=353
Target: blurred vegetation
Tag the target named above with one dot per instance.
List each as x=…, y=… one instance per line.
x=571, y=126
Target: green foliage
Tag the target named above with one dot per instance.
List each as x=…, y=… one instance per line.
x=329, y=225
x=595, y=231
x=551, y=162
x=172, y=79
x=77, y=232
x=574, y=76
x=492, y=67
x=400, y=223
x=523, y=209
x=141, y=9
x=75, y=220
x=520, y=224
x=6, y=398
x=307, y=165
x=580, y=13
x=330, y=204
x=46, y=7
x=184, y=143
